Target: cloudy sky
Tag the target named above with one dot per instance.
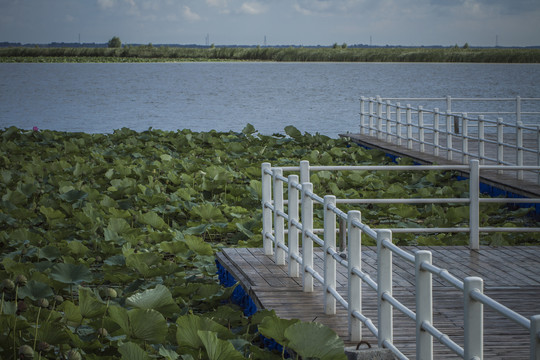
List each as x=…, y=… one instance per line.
x=283, y=22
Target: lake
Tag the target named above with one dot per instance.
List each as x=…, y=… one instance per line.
x=314, y=97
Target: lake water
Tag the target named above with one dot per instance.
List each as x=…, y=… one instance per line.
x=315, y=97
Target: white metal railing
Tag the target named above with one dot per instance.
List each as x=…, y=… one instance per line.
x=300, y=220
x=448, y=133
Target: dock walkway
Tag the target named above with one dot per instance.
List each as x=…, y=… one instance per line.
x=528, y=187
x=511, y=276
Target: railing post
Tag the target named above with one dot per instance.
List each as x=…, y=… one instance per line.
x=448, y=135
x=473, y=319
x=436, y=131
x=379, y=118
x=304, y=171
x=355, y=283
x=266, y=185
x=518, y=109
x=535, y=337
x=424, y=305
x=329, y=261
x=519, y=139
x=538, y=151
x=421, y=128
x=293, y=230
x=474, y=205
x=384, y=286
x=465, y=140
x=448, y=104
x=388, y=121
x=307, y=242
x=500, y=143
x=362, y=114
x=398, y=122
x=481, y=139
x=370, y=132
x=409, y=127
x=279, y=221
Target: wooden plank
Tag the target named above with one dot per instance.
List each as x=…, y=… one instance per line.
x=528, y=187
x=266, y=283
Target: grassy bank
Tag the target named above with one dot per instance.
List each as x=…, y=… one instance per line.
x=150, y=53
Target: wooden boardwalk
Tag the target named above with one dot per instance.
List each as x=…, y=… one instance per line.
x=511, y=276
x=528, y=187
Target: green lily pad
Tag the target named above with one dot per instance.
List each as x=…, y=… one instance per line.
x=71, y=274
x=218, y=349
x=188, y=325
x=274, y=328
x=132, y=351
x=159, y=299
x=89, y=305
x=35, y=290
x=148, y=325
x=328, y=345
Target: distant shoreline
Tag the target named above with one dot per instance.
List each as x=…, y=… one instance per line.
x=148, y=53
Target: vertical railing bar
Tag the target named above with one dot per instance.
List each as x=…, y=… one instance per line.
x=329, y=261
x=279, y=221
x=481, y=139
x=474, y=205
x=388, y=121
x=535, y=337
x=362, y=114
x=398, y=126
x=500, y=143
x=379, y=118
x=292, y=236
x=384, y=286
x=519, y=140
x=266, y=185
x=421, y=135
x=307, y=242
x=409, y=127
x=538, y=151
x=464, y=137
x=304, y=171
x=436, y=132
x=424, y=305
x=371, y=117
x=449, y=135
x=355, y=283
x=473, y=319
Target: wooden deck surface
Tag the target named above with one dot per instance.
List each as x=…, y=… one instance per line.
x=528, y=187
x=511, y=276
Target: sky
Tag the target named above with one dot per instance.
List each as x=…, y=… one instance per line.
x=280, y=22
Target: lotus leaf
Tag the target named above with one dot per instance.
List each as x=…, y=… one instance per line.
x=148, y=325
x=35, y=290
x=153, y=220
x=328, y=345
x=71, y=274
x=197, y=245
x=132, y=351
x=159, y=299
x=168, y=353
x=218, y=349
x=274, y=327
x=189, y=325
x=90, y=306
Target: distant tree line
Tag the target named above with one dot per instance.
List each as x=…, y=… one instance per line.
x=338, y=53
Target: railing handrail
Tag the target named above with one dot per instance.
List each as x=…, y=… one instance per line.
x=410, y=126
x=472, y=287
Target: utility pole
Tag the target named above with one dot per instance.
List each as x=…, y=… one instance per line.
x=264, y=40
x=370, y=42
x=207, y=39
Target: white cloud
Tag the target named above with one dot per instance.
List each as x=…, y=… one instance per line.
x=252, y=8
x=189, y=14
x=106, y=4
x=217, y=3
x=69, y=18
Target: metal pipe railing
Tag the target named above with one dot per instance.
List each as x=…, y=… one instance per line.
x=385, y=123
x=302, y=193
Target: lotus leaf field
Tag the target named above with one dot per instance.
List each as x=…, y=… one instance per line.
x=108, y=240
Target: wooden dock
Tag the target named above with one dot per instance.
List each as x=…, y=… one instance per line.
x=511, y=276
x=528, y=187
